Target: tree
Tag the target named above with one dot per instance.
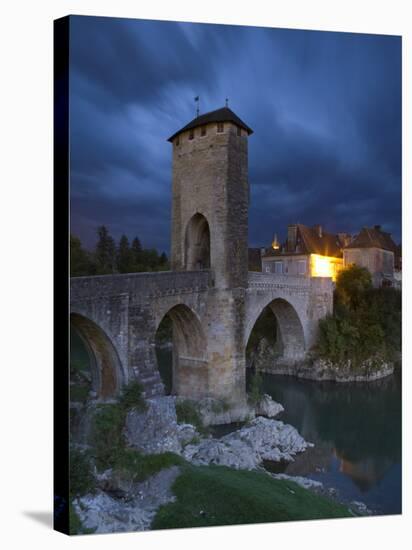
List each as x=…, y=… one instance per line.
x=351, y=286
x=124, y=256
x=136, y=254
x=105, y=252
x=80, y=261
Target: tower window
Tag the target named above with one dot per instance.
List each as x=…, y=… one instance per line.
x=239, y=131
x=220, y=127
x=191, y=134
x=203, y=131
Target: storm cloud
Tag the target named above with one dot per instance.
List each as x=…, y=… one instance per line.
x=325, y=108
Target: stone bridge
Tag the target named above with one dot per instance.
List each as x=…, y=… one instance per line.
x=210, y=297
x=117, y=317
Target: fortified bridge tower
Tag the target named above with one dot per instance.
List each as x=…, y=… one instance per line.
x=211, y=299
x=210, y=200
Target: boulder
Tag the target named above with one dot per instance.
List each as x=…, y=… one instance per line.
x=262, y=439
x=267, y=407
x=156, y=430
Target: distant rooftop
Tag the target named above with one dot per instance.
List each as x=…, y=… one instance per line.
x=311, y=240
x=370, y=237
x=220, y=115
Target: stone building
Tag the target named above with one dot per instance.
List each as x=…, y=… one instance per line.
x=374, y=249
x=307, y=252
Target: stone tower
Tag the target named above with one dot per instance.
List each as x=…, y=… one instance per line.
x=210, y=197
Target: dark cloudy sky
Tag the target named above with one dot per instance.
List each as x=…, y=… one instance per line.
x=325, y=109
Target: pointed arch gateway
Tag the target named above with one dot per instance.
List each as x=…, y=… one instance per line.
x=189, y=366
x=105, y=366
x=280, y=317
x=197, y=243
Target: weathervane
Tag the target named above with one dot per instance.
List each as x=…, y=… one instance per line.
x=197, y=98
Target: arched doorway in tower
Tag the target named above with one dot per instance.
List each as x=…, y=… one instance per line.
x=181, y=353
x=197, y=244
x=275, y=338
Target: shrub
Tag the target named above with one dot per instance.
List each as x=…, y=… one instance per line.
x=255, y=388
x=107, y=434
x=187, y=413
x=81, y=476
x=132, y=397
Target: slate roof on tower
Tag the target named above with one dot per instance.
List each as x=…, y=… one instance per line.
x=220, y=115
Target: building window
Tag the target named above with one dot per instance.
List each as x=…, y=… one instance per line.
x=267, y=269
x=239, y=131
x=203, y=131
x=301, y=267
x=279, y=268
x=220, y=127
x=191, y=134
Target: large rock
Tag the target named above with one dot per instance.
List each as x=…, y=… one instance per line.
x=215, y=412
x=106, y=514
x=262, y=439
x=267, y=407
x=156, y=430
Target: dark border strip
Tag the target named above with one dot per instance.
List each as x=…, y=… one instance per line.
x=61, y=274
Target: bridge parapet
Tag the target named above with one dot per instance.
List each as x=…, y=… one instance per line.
x=271, y=281
x=152, y=284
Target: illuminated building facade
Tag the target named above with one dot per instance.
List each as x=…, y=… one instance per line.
x=307, y=252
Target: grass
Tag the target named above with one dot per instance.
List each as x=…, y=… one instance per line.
x=216, y=495
x=187, y=413
x=138, y=467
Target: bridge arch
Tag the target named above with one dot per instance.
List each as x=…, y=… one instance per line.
x=290, y=333
x=189, y=351
x=197, y=243
x=105, y=365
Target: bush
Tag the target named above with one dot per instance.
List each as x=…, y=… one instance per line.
x=107, y=434
x=132, y=397
x=187, y=413
x=366, y=321
x=81, y=476
x=255, y=388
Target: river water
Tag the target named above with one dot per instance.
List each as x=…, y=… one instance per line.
x=356, y=429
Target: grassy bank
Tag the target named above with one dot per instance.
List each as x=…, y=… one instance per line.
x=216, y=495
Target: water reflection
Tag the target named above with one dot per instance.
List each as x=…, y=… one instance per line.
x=356, y=429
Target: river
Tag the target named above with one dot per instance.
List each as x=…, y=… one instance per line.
x=356, y=429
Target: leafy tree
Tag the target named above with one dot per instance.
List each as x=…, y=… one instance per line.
x=366, y=321
x=351, y=285
x=105, y=252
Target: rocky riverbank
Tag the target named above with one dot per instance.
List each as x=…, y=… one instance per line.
x=268, y=361
x=119, y=503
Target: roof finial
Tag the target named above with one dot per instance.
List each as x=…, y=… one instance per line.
x=197, y=100
x=227, y=102
x=275, y=242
